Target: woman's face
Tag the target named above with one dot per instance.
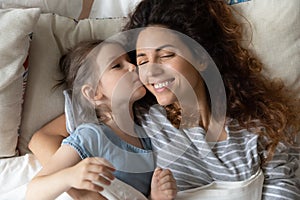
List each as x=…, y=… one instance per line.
x=163, y=66
x=119, y=82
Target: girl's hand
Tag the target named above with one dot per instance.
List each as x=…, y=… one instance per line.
x=90, y=173
x=85, y=195
x=163, y=185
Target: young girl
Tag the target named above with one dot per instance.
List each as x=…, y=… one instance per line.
x=103, y=84
x=261, y=120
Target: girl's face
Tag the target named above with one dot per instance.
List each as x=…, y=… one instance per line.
x=163, y=66
x=119, y=82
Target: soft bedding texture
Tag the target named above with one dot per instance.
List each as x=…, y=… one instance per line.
x=275, y=38
x=72, y=8
x=15, y=41
x=69, y=8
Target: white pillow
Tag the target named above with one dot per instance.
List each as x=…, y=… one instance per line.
x=53, y=35
x=276, y=37
x=72, y=8
x=15, y=173
x=112, y=8
x=15, y=27
x=68, y=8
x=275, y=34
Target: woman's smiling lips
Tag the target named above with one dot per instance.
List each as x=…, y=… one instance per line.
x=160, y=86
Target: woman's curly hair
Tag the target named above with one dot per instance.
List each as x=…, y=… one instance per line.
x=251, y=97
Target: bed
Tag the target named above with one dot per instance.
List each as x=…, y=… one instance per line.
x=35, y=33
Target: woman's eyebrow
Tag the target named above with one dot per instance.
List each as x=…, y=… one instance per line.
x=140, y=55
x=164, y=47
x=156, y=50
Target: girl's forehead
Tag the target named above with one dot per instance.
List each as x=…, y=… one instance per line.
x=108, y=52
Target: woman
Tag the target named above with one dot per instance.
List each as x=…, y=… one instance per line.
x=261, y=117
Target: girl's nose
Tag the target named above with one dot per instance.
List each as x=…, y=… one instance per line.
x=132, y=68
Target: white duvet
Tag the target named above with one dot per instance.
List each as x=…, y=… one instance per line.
x=15, y=173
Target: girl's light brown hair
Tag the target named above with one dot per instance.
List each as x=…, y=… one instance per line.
x=70, y=62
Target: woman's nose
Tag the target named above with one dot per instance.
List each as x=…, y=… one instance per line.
x=151, y=69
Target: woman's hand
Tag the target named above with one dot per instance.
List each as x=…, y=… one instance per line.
x=91, y=174
x=163, y=185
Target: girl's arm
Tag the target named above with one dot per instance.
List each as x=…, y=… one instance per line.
x=66, y=170
x=45, y=142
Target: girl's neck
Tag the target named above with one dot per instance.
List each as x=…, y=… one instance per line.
x=122, y=123
x=128, y=135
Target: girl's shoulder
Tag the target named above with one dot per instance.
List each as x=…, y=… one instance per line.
x=90, y=127
x=91, y=131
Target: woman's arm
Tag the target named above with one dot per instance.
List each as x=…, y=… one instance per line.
x=280, y=179
x=45, y=142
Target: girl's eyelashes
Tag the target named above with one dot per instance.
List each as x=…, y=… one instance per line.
x=120, y=63
x=116, y=66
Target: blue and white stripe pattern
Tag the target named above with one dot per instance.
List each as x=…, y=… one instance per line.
x=231, y=2
x=194, y=162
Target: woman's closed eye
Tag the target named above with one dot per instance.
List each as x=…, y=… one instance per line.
x=168, y=55
x=142, y=63
x=164, y=56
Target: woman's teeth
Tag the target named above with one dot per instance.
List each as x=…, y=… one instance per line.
x=161, y=85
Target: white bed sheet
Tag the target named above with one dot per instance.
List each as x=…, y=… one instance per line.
x=15, y=173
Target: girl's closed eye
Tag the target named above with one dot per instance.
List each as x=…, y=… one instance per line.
x=117, y=66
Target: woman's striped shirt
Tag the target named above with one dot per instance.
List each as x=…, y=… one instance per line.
x=195, y=162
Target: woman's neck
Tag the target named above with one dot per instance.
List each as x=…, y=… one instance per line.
x=201, y=116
